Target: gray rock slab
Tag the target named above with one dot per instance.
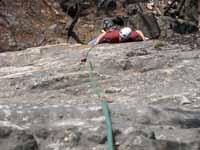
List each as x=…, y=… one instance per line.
x=49, y=99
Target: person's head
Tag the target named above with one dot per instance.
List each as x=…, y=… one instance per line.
x=107, y=24
x=125, y=33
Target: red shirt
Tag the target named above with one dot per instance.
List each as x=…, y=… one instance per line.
x=114, y=37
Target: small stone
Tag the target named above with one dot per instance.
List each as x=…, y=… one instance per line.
x=128, y=130
x=71, y=138
x=53, y=27
x=42, y=133
x=113, y=90
x=152, y=135
x=5, y=131
x=66, y=139
x=185, y=101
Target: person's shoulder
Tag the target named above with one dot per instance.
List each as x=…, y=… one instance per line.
x=134, y=34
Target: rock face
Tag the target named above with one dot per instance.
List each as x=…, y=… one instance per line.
x=30, y=23
x=25, y=24
x=48, y=102
x=33, y=23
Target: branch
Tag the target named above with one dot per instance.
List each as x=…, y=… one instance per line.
x=170, y=6
x=71, y=26
x=181, y=6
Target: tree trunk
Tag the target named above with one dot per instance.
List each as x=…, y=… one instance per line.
x=199, y=13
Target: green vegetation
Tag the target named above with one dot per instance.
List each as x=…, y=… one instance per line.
x=158, y=44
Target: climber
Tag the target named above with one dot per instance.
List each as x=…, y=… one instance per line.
x=107, y=26
x=119, y=36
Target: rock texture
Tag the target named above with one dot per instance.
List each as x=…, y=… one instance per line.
x=48, y=102
x=26, y=24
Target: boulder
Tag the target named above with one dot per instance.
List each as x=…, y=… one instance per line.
x=147, y=23
x=169, y=26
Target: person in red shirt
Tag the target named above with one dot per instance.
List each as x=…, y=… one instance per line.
x=119, y=36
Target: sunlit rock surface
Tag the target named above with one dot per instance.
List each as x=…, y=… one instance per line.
x=48, y=101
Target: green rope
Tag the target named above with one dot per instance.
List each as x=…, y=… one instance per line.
x=108, y=124
x=94, y=82
x=106, y=111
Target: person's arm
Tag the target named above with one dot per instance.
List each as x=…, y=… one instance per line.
x=98, y=39
x=142, y=35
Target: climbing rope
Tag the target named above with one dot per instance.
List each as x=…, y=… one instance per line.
x=104, y=104
x=84, y=57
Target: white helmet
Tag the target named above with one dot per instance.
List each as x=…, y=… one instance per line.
x=125, y=33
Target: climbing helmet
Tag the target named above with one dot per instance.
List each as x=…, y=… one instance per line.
x=125, y=33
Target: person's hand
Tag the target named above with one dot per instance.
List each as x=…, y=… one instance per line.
x=146, y=38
